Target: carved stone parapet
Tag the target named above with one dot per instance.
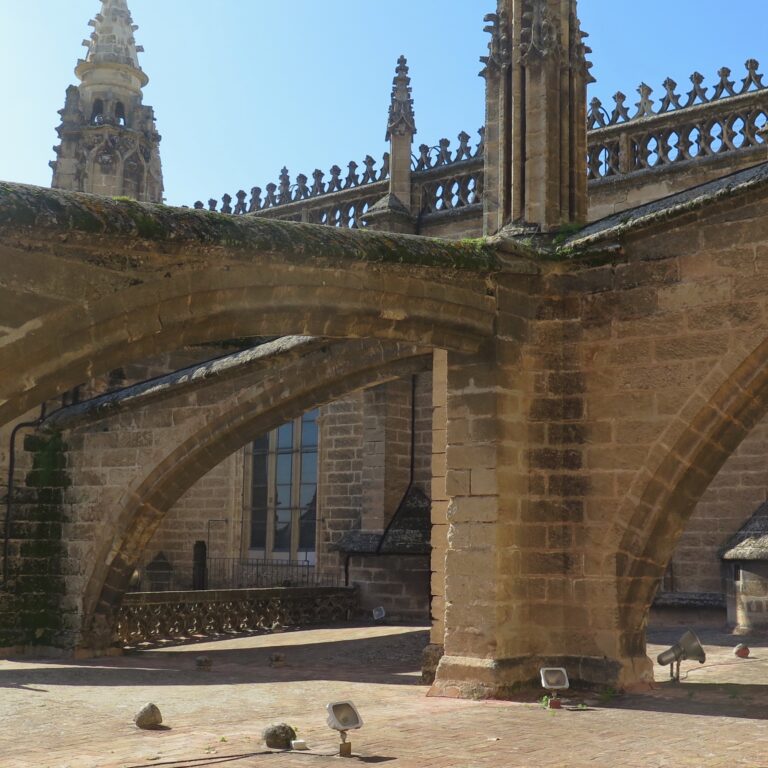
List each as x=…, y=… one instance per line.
x=163, y=617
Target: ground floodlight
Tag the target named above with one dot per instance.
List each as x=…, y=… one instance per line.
x=342, y=717
x=687, y=647
x=554, y=679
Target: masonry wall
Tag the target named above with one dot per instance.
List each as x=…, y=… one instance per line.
x=340, y=486
x=739, y=488
x=211, y=511
x=397, y=583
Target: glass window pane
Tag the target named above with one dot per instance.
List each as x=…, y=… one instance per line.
x=307, y=494
x=309, y=434
x=284, y=469
x=259, y=497
x=307, y=526
x=260, y=462
x=282, y=541
x=261, y=444
x=283, y=496
x=285, y=437
x=258, y=528
x=309, y=468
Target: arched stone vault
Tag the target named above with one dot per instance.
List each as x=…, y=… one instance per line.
x=722, y=411
x=590, y=396
x=137, y=280
x=244, y=408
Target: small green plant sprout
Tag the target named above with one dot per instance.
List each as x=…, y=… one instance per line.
x=607, y=695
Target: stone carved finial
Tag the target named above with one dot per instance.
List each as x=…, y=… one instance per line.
x=753, y=77
x=539, y=36
x=385, y=166
x=725, y=85
x=645, y=105
x=480, y=151
x=285, y=187
x=464, y=152
x=620, y=112
x=302, y=189
x=698, y=91
x=579, y=49
x=500, y=45
x=255, y=203
x=444, y=152
x=597, y=117
x=318, y=187
x=241, y=207
x=334, y=185
x=671, y=99
x=112, y=40
x=402, y=120
x=369, y=175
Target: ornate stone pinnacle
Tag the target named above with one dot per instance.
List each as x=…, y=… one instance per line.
x=499, y=46
x=112, y=40
x=402, y=120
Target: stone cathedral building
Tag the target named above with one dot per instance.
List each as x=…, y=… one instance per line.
x=392, y=481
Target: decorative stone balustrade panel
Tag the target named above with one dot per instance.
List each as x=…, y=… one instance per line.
x=599, y=117
x=730, y=116
x=342, y=209
x=706, y=130
x=287, y=191
x=442, y=154
x=157, y=617
x=454, y=191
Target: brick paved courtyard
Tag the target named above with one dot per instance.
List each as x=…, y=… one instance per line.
x=79, y=714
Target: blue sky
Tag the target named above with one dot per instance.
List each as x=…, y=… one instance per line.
x=243, y=87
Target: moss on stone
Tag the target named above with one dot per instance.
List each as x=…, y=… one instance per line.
x=36, y=571
x=62, y=212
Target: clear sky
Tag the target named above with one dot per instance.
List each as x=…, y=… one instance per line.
x=243, y=87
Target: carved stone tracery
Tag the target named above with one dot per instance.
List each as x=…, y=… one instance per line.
x=540, y=33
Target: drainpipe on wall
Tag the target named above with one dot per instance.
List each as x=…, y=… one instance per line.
x=9, y=500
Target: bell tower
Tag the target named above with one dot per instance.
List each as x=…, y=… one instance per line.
x=109, y=142
x=536, y=75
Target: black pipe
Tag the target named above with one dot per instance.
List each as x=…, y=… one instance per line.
x=407, y=490
x=413, y=466
x=9, y=498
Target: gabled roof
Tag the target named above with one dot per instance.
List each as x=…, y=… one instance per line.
x=624, y=222
x=751, y=542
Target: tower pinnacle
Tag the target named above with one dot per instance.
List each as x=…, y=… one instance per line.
x=109, y=143
x=401, y=118
x=536, y=74
x=112, y=42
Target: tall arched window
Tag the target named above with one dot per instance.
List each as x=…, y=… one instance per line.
x=97, y=114
x=120, y=114
x=283, y=501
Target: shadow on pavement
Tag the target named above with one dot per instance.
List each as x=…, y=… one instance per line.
x=385, y=659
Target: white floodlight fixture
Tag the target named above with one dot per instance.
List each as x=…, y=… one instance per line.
x=554, y=679
x=342, y=717
x=688, y=647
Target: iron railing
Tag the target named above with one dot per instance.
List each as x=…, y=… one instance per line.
x=241, y=573
x=232, y=573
